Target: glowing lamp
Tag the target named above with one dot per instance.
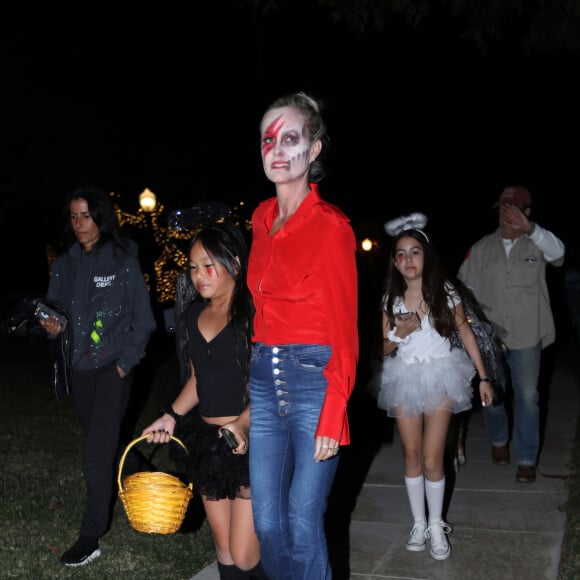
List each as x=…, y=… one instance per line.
x=367, y=245
x=147, y=200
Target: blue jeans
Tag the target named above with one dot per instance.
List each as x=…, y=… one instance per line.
x=524, y=365
x=289, y=489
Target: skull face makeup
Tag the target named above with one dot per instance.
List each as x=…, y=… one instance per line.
x=286, y=148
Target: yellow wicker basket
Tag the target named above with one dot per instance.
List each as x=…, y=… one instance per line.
x=154, y=502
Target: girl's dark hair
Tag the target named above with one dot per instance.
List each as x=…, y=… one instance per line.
x=102, y=211
x=434, y=284
x=225, y=243
x=311, y=109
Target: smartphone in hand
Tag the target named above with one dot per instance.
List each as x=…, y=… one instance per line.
x=44, y=312
x=230, y=438
x=405, y=316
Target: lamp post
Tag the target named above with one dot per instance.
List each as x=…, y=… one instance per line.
x=160, y=270
x=164, y=240
x=147, y=200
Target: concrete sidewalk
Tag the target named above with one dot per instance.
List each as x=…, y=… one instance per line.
x=502, y=529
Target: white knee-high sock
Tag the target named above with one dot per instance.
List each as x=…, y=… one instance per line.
x=416, y=492
x=435, y=492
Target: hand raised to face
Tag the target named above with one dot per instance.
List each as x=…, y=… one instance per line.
x=512, y=217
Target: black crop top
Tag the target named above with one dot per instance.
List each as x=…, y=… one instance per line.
x=220, y=380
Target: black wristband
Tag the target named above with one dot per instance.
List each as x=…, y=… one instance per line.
x=169, y=410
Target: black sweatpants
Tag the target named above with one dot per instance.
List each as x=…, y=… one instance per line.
x=101, y=397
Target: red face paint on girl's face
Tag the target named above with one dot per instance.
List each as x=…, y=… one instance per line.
x=409, y=257
x=285, y=146
x=208, y=276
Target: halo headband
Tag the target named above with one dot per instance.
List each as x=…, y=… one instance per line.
x=415, y=221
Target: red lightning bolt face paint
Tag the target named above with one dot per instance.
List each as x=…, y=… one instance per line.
x=270, y=135
x=285, y=145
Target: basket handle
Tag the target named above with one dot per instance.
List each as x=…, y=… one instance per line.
x=128, y=448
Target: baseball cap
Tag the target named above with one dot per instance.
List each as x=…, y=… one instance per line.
x=516, y=195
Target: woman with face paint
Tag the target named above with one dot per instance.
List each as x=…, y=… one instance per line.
x=303, y=278
x=424, y=381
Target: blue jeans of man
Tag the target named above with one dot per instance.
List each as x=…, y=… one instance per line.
x=524, y=365
x=289, y=489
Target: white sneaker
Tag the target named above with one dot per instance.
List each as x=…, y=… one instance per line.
x=416, y=541
x=436, y=532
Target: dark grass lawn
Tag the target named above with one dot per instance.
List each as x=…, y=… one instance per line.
x=41, y=485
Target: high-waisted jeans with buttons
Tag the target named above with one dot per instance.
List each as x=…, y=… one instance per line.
x=289, y=489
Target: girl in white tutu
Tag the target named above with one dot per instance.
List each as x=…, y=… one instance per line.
x=424, y=381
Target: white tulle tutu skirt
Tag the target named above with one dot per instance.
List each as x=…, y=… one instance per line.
x=410, y=389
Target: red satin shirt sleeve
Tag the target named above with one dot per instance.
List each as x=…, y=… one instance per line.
x=340, y=298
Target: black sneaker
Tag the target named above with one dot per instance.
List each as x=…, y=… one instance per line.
x=84, y=550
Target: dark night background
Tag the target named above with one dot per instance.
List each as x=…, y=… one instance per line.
x=435, y=108
x=422, y=116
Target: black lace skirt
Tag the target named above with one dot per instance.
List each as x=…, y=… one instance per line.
x=210, y=465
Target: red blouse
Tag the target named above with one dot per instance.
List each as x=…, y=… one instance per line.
x=305, y=289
